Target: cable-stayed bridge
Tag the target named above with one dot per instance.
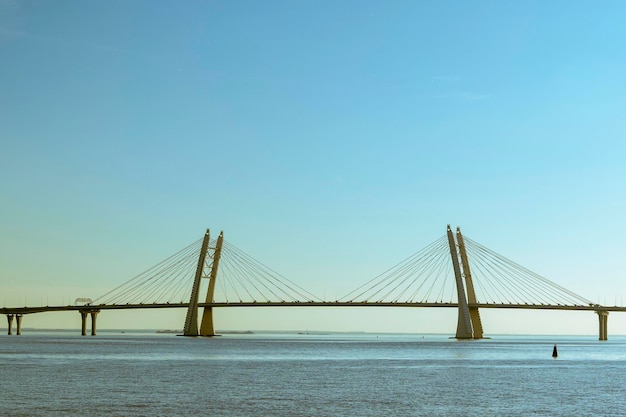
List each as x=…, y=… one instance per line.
x=452, y=272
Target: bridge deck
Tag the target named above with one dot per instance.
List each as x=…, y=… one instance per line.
x=29, y=310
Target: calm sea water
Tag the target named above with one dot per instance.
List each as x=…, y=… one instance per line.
x=55, y=374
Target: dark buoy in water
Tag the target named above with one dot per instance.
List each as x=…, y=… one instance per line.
x=554, y=352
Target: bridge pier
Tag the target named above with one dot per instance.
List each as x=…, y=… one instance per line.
x=83, y=327
x=603, y=319
x=94, y=316
x=83, y=316
x=18, y=321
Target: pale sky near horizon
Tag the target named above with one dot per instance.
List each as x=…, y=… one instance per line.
x=328, y=139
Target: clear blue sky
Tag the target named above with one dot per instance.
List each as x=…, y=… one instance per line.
x=329, y=139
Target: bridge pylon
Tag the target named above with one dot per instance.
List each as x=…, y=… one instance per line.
x=191, y=320
x=469, y=325
x=206, y=326
x=477, y=325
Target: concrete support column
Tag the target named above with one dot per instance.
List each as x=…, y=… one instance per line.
x=83, y=316
x=10, y=324
x=18, y=320
x=603, y=329
x=94, y=315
